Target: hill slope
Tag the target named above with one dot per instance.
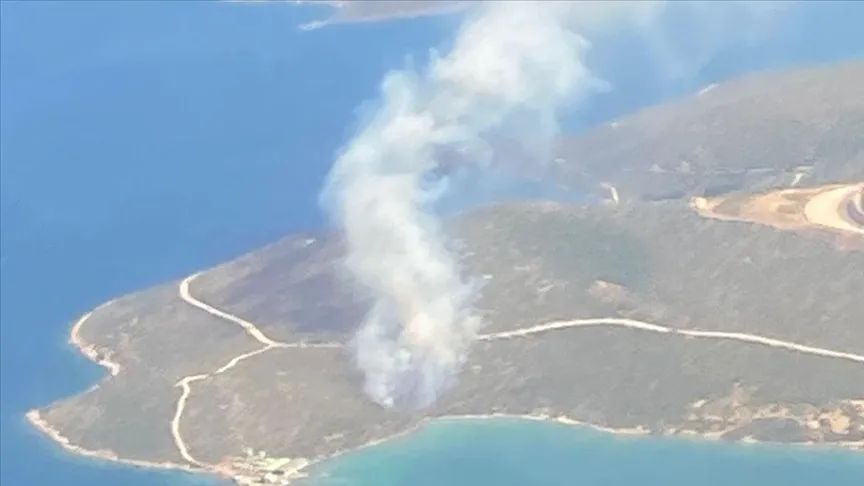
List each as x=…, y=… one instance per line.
x=751, y=132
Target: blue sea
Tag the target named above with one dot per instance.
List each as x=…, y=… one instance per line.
x=141, y=141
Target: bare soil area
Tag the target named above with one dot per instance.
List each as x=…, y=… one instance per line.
x=821, y=208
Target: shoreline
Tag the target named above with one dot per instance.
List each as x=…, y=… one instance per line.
x=34, y=416
x=42, y=425
x=35, y=419
x=89, y=350
x=640, y=432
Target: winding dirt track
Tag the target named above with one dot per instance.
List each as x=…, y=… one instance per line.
x=247, y=326
x=644, y=326
x=251, y=329
x=269, y=343
x=175, y=422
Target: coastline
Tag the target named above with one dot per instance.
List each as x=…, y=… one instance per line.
x=563, y=420
x=635, y=432
x=36, y=420
x=89, y=350
x=103, y=359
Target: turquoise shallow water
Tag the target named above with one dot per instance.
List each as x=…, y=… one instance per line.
x=525, y=453
x=142, y=141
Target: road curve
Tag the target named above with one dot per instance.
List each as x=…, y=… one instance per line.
x=249, y=327
x=240, y=358
x=246, y=325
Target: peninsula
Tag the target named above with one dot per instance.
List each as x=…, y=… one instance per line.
x=717, y=293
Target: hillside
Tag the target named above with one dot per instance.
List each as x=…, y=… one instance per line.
x=753, y=132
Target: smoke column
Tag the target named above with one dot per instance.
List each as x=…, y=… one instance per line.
x=512, y=68
x=512, y=65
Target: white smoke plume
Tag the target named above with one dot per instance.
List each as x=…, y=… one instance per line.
x=513, y=67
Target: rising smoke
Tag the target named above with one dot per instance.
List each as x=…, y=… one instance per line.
x=514, y=66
